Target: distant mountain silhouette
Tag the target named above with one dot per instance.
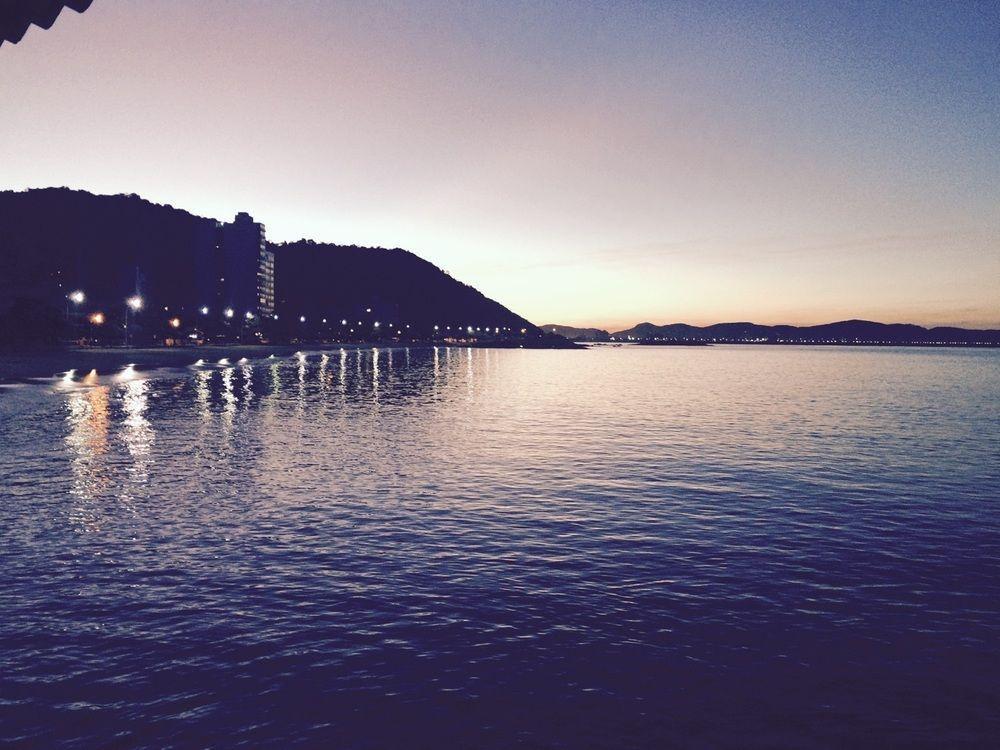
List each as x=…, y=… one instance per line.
x=843, y=332
x=577, y=334
x=56, y=240
x=16, y=16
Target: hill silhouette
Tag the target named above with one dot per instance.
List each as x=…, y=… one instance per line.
x=577, y=334
x=342, y=282
x=55, y=240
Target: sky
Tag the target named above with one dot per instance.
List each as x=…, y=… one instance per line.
x=584, y=163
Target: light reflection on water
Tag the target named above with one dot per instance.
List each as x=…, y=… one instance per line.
x=87, y=440
x=137, y=435
x=614, y=548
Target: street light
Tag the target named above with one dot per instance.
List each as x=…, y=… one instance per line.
x=175, y=322
x=133, y=303
x=204, y=310
x=228, y=312
x=302, y=318
x=97, y=318
x=76, y=298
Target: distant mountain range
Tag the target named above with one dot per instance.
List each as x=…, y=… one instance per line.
x=843, y=332
x=577, y=334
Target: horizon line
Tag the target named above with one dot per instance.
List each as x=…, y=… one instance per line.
x=612, y=330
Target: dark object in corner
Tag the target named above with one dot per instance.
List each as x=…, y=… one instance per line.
x=17, y=15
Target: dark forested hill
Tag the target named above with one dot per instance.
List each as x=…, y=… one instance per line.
x=56, y=240
x=338, y=282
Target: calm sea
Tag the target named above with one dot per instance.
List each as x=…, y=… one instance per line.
x=725, y=547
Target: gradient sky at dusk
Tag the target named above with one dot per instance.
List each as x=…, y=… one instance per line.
x=583, y=163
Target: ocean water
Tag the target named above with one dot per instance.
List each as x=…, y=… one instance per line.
x=724, y=547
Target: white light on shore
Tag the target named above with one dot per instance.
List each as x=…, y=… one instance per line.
x=134, y=302
x=204, y=311
x=77, y=297
x=228, y=312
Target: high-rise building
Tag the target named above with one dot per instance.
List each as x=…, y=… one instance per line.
x=247, y=267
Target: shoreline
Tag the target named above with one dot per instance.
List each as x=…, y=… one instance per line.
x=28, y=365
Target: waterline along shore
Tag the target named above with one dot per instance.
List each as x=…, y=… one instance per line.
x=19, y=366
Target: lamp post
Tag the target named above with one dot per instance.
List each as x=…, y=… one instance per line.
x=133, y=303
x=76, y=298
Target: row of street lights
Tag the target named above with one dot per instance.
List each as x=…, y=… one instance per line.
x=135, y=303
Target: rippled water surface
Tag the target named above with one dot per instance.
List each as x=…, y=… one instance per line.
x=621, y=547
